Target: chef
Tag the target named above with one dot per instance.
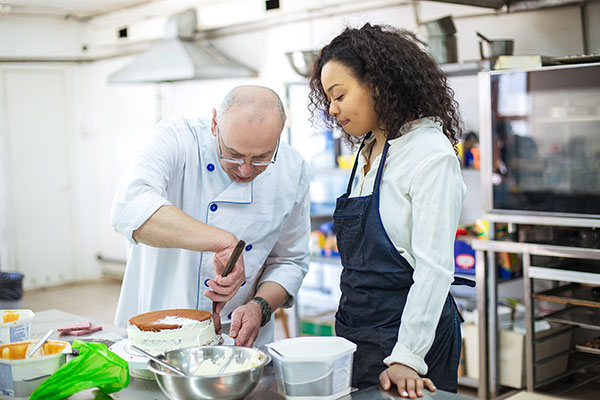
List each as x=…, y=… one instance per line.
x=199, y=187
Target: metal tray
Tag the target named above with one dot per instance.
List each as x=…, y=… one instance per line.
x=573, y=293
x=577, y=59
x=588, y=349
x=586, y=317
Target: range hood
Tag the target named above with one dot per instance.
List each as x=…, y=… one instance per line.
x=179, y=57
x=516, y=5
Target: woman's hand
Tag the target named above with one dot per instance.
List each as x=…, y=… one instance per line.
x=409, y=383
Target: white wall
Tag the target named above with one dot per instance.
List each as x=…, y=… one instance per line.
x=115, y=122
x=112, y=120
x=40, y=36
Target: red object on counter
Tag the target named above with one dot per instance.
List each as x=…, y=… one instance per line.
x=461, y=231
x=82, y=328
x=92, y=329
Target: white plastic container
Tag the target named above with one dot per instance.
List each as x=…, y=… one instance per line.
x=312, y=367
x=19, y=377
x=15, y=325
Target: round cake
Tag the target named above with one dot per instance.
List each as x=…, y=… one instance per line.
x=165, y=330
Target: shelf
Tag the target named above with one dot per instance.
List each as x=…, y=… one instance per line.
x=584, y=317
x=573, y=293
x=578, y=375
x=326, y=260
x=468, y=382
x=555, y=274
x=531, y=219
x=466, y=68
x=567, y=119
x=592, y=346
x=501, y=281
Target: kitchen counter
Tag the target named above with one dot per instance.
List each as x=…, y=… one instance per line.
x=147, y=389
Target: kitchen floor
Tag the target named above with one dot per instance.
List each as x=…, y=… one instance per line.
x=98, y=302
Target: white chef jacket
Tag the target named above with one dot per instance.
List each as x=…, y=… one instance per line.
x=421, y=197
x=180, y=167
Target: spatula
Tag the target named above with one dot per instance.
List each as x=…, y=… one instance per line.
x=159, y=361
x=235, y=255
x=39, y=344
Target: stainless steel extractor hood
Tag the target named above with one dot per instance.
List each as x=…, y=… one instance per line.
x=179, y=57
x=517, y=5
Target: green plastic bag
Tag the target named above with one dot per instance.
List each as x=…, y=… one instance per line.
x=95, y=366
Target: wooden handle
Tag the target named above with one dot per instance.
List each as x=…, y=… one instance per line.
x=234, y=257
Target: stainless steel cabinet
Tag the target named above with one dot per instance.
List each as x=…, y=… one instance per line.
x=581, y=311
x=540, y=165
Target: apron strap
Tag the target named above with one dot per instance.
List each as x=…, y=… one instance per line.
x=459, y=280
x=460, y=317
x=377, y=183
x=362, y=145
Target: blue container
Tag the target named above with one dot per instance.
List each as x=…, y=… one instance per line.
x=464, y=258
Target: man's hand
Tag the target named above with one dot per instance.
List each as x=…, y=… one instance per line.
x=409, y=383
x=245, y=322
x=224, y=288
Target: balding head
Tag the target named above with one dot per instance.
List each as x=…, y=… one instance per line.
x=248, y=126
x=257, y=103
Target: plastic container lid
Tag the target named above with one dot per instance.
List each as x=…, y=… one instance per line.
x=15, y=317
x=313, y=367
x=311, y=348
x=15, y=325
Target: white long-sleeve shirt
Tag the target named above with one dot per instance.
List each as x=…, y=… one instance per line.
x=421, y=197
x=180, y=166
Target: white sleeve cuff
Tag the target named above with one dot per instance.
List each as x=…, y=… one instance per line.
x=401, y=355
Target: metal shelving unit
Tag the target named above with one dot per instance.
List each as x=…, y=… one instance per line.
x=585, y=317
x=573, y=293
x=541, y=110
x=582, y=311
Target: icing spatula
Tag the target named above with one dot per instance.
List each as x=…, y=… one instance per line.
x=235, y=255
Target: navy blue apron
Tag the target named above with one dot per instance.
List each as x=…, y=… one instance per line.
x=375, y=282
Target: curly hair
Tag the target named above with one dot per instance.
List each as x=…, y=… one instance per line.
x=405, y=82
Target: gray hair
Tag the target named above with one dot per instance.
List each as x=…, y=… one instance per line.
x=256, y=105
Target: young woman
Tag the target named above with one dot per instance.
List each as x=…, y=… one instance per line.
x=396, y=224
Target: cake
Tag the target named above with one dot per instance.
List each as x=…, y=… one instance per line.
x=165, y=330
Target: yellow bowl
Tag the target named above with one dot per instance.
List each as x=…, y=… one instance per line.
x=28, y=374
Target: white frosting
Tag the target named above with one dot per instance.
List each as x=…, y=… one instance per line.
x=175, y=320
x=210, y=366
x=191, y=333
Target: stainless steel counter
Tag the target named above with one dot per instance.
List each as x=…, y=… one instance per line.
x=146, y=389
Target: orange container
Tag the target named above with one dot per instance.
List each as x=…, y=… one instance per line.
x=20, y=376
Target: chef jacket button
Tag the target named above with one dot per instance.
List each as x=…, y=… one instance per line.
x=210, y=167
x=229, y=315
x=206, y=282
x=249, y=247
x=213, y=207
x=243, y=283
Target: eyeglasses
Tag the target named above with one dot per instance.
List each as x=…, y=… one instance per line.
x=239, y=161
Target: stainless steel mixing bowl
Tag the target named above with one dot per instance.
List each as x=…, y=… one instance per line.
x=235, y=385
